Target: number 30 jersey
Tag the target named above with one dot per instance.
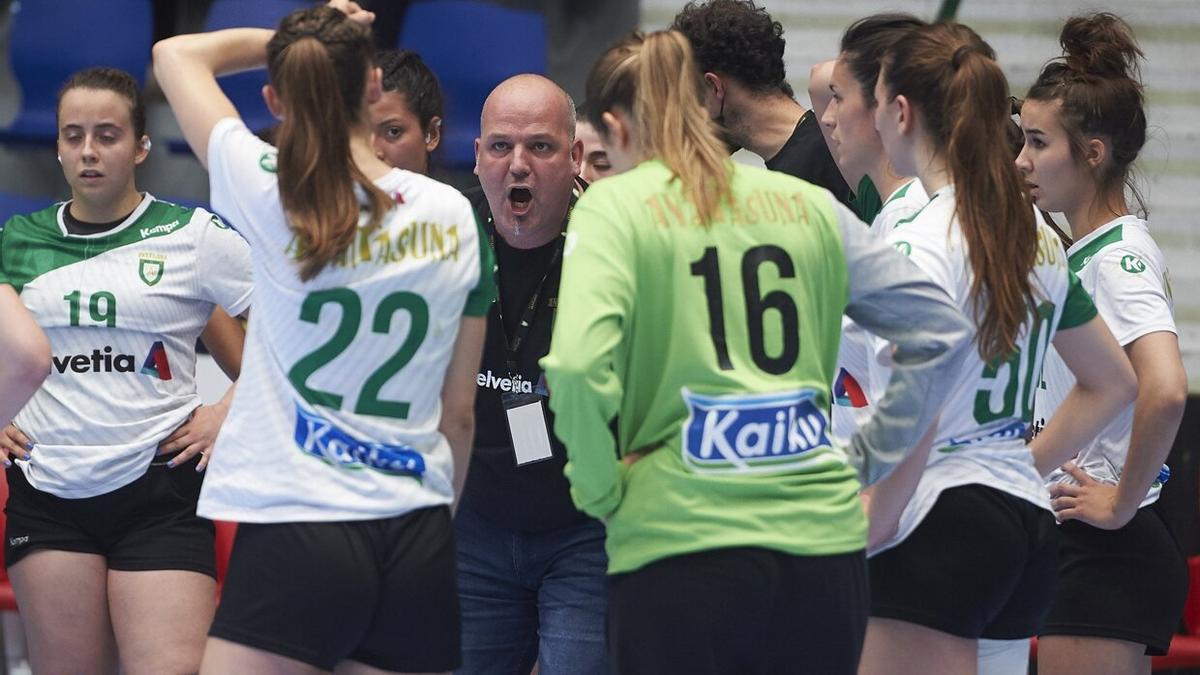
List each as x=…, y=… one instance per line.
x=980, y=437
x=337, y=409
x=122, y=309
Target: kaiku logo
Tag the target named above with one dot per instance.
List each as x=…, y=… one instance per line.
x=318, y=437
x=764, y=432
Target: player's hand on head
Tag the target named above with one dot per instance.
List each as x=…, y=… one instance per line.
x=195, y=436
x=353, y=11
x=14, y=444
x=1090, y=501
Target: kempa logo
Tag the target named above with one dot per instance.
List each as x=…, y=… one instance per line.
x=150, y=267
x=165, y=228
x=1133, y=264
x=516, y=384
x=18, y=541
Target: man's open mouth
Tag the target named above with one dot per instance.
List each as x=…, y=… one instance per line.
x=520, y=198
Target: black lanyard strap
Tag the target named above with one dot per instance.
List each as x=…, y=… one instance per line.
x=512, y=347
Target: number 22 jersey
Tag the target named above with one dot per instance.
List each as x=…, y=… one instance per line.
x=337, y=409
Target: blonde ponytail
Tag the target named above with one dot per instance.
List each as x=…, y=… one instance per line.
x=655, y=78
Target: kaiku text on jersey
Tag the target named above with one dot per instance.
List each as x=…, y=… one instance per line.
x=753, y=433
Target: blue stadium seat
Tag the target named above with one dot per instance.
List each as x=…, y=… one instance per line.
x=52, y=40
x=15, y=205
x=472, y=47
x=245, y=89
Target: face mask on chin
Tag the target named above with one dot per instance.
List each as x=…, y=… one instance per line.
x=723, y=131
x=726, y=135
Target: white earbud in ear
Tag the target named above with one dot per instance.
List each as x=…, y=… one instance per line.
x=428, y=137
x=60, y=159
x=146, y=144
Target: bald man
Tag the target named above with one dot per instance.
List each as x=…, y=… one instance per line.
x=531, y=568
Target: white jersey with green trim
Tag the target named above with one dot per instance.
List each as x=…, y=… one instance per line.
x=1123, y=269
x=122, y=310
x=980, y=438
x=854, y=391
x=337, y=410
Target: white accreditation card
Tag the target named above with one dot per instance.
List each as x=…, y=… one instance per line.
x=527, y=427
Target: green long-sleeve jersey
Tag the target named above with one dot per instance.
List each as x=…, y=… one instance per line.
x=713, y=347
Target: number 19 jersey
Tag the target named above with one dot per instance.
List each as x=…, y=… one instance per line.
x=337, y=409
x=122, y=309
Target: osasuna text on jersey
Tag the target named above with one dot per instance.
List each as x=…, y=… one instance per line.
x=340, y=393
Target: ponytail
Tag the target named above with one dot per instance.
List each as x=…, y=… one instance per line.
x=655, y=78
x=950, y=74
x=996, y=217
x=315, y=54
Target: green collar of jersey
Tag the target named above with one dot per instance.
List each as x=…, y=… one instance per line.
x=914, y=216
x=1079, y=259
x=899, y=194
x=34, y=244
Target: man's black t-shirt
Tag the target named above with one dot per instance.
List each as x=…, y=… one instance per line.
x=533, y=497
x=807, y=157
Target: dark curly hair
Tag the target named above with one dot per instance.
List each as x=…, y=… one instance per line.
x=404, y=71
x=739, y=39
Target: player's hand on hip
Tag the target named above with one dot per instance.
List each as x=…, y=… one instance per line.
x=14, y=444
x=1090, y=501
x=195, y=436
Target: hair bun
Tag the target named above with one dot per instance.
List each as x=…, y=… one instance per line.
x=1100, y=45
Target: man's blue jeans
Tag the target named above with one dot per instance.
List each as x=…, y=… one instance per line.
x=531, y=598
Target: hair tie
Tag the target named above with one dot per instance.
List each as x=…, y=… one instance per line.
x=960, y=55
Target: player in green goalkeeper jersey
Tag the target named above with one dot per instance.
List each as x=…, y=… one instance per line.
x=700, y=308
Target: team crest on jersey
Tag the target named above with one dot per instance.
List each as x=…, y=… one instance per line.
x=904, y=247
x=1133, y=264
x=321, y=438
x=157, y=364
x=752, y=433
x=150, y=267
x=269, y=162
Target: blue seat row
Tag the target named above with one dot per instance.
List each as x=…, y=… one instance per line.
x=471, y=45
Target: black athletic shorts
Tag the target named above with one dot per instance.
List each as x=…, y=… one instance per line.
x=149, y=524
x=1127, y=584
x=379, y=592
x=739, y=610
x=981, y=564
